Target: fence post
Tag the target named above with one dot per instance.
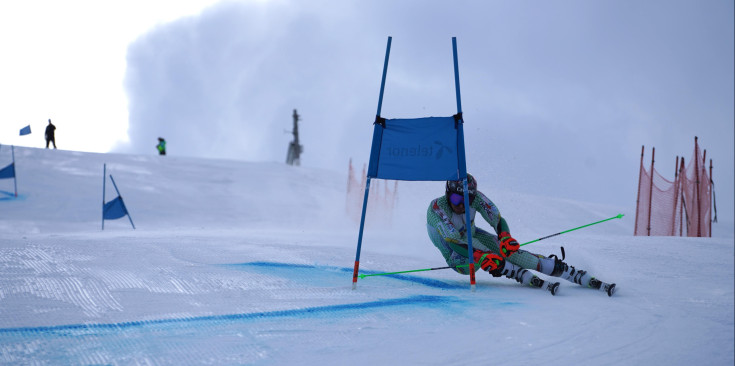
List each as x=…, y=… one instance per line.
x=650, y=192
x=680, y=194
x=638, y=197
x=683, y=211
x=676, y=197
x=699, y=198
x=712, y=193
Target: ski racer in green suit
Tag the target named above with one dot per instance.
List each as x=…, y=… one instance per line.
x=499, y=253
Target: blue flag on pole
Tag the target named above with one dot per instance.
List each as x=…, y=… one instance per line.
x=418, y=149
x=25, y=130
x=115, y=209
x=8, y=171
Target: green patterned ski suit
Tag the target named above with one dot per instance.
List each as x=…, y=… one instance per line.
x=448, y=232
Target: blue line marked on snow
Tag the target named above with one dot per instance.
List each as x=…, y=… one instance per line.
x=309, y=273
x=8, y=196
x=63, y=330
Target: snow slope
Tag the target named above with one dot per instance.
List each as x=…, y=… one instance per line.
x=251, y=263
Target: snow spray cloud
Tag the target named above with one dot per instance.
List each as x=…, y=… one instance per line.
x=560, y=90
x=224, y=84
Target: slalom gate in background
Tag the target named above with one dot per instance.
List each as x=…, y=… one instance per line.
x=114, y=209
x=419, y=149
x=9, y=172
x=682, y=207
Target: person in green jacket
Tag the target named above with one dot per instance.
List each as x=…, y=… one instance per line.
x=161, y=146
x=499, y=254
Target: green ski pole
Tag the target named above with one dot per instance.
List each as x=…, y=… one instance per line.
x=413, y=270
x=619, y=216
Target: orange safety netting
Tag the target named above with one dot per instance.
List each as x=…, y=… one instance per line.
x=680, y=207
x=381, y=199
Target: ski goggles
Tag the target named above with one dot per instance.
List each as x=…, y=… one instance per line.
x=457, y=199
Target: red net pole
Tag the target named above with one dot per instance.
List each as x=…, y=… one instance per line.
x=638, y=198
x=699, y=196
x=350, y=176
x=682, y=178
x=706, y=200
x=676, y=197
x=650, y=192
x=710, y=179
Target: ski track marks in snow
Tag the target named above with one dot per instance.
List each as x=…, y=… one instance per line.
x=224, y=338
x=33, y=272
x=218, y=338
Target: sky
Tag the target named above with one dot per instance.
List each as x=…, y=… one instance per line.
x=65, y=61
x=568, y=90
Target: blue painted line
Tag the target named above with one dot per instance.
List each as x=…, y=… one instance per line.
x=422, y=300
x=9, y=196
x=420, y=280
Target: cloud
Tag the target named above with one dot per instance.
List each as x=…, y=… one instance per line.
x=224, y=84
x=558, y=97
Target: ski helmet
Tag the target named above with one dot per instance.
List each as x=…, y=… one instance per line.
x=457, y=186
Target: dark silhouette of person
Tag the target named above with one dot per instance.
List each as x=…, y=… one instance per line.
x=50, y=134
x=161, y=146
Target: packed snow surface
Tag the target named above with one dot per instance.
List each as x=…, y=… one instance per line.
x=251, y=263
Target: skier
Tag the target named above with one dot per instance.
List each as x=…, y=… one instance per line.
x=500, y=254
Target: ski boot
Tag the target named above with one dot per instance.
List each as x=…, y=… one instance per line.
x=579, y=277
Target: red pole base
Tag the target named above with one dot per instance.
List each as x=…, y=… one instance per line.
x=472, y=276
x=354, y=274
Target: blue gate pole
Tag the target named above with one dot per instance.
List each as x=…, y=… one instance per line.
x=15, y=171
x=119, y=195
x=367, y=185
x=385, y=72
x=456, y=74
x=104, y=180
x=463, y=166
x=359, y=237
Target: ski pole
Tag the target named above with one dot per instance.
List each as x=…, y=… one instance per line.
x=413, y=270
x=619, y=216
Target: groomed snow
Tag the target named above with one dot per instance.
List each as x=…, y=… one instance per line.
x=251, y=263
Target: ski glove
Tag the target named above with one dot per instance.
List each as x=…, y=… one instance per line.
x=488, y=261
x=508, y=245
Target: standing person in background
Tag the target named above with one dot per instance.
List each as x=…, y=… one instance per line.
x=161, y=146
x=50, y=134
